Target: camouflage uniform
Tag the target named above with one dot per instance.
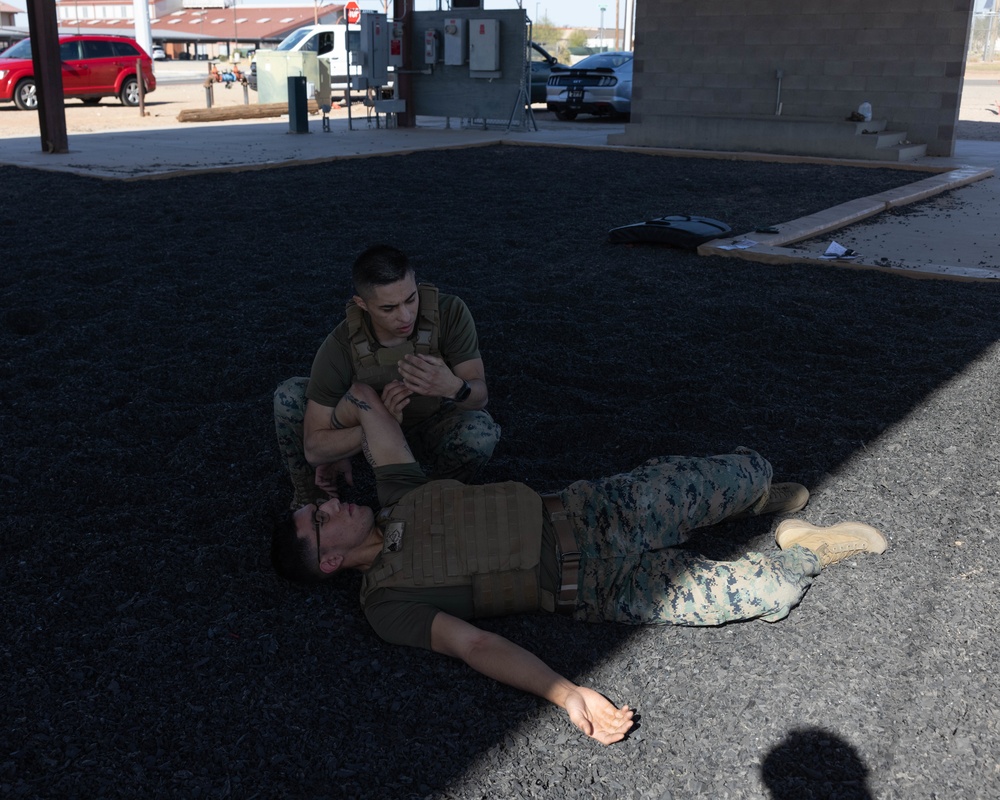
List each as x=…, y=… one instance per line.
x=628, y=528
x=451, y=443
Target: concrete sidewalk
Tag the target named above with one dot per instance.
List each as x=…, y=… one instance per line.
x=956, y=235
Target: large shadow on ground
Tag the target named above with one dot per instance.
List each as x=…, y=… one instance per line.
x=151, y=651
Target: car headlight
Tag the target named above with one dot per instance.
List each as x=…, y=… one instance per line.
x=3, y=73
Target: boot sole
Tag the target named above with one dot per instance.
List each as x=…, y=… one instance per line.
x=791, y=530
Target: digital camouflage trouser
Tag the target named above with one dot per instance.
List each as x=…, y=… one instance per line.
x=450, y=444
x=628, y=526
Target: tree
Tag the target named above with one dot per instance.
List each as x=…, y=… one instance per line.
x=577, y=38
x=545, y=33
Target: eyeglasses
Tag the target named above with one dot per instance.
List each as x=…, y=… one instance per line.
x=319, y=519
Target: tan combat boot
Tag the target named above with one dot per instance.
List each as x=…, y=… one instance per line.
x=782, y=498
x=831, y=544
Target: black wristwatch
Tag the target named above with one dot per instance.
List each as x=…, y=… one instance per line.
x=463, y=394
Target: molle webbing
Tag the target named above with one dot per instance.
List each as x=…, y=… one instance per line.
x=376, y=365
x=366, y=353
x=484, y=537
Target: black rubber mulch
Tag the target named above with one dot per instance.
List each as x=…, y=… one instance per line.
x=149, y=651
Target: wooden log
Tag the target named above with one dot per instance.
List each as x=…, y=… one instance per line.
x=253, y=111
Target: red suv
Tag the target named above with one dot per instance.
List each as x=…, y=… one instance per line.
x=92, y=67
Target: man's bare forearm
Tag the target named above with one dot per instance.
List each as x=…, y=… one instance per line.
x=381, y=439
x=502, y=660
x=326, y=445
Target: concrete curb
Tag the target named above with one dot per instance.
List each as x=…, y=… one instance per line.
x=770, y=248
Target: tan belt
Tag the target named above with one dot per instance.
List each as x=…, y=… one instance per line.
x=567, y=554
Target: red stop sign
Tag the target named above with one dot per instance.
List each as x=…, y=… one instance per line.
x=353, y=12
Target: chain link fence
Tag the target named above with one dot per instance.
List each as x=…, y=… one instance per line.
x=983, y=39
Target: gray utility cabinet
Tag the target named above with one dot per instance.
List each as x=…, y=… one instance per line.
x=459, y=74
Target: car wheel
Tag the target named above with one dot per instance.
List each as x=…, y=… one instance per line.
x=129, y=94
x=26, y=95
x=91, y=101
x=566, y=114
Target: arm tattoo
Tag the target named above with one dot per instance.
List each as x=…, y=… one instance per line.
x=366, y=449
x=361, y=405
x=368, y=452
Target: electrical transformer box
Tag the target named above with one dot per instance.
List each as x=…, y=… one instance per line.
x=454, y=41
x=484, y=45
x=396, y=45
x=375, y=48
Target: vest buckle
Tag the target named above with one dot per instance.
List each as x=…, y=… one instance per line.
x=567, y=554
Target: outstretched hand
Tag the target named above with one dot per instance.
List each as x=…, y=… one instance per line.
x=597, y=716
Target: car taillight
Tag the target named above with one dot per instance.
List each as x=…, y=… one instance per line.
x=607, y=81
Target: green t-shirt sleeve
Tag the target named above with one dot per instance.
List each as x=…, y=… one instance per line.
x=459, y=341
x=394, y=480
x=332, y=372
x=404, y=616
x=399, y=621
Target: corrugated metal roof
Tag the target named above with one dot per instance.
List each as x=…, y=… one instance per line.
x=244, y=24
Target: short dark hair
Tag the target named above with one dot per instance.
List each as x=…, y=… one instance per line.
x=379, y=265
x=291, y=556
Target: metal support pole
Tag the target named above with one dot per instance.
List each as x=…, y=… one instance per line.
x=208, y=87
x=402, y=12
x=142, y=87
x=48, y=75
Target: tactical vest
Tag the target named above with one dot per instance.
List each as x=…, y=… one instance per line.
x=376, y=365
x=446, y=534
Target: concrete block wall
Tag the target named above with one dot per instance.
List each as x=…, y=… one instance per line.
x=721, y=57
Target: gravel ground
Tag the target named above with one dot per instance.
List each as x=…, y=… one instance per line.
x=150, y=651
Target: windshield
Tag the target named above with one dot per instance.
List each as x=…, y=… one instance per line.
x=603, y=61
x=296, y=36
x=20, y=50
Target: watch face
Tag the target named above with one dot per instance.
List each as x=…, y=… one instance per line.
x=464, y=392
